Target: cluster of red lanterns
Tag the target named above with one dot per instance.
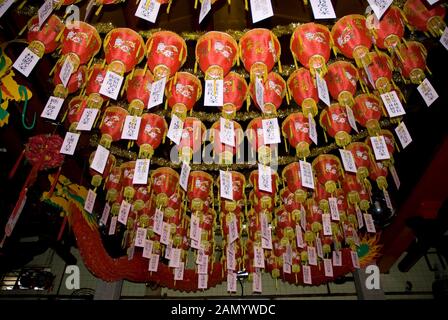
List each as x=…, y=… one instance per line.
x=326, y=218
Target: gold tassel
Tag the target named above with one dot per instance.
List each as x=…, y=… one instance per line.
x=99, y=10
x=169, y=6
x=246, y=6
x=195, y=4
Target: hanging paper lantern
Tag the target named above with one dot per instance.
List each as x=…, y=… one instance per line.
x=81, y=42
x=342, y=204
x=166, y=52
x=424, y=19
x=302, y=88
x=74, y=83
x=390, y=143
x=351, y=37
x=174, y=205
x=285, y=223
x=334, y=121
x=123, y=49
x=341, y=79
x=138, y=89
x=378, y=173
x=238, y=186
x=216, y=53
x=200, y=189
x=259, y=50
x=264, y=199
x=274, y=92
x=256, y=141
x=225, y=152
x=113, y=184
x=413, y=64
x=153, y=129
x=291, y=176
x=192, y=137
x=112, y=125
x=182, y=92
x=164, y=184
x=364, y=196
x=389, y=31
x=128, y=169
x=97, y=178
x=321, y=195
x=361, y=155
x=45, y=39
x=367, y=112
x=94, y=82
x=352, y=187
x=311, y=44
x=295, y=128
x=291, y=203
x=75, y=109
x=379, y=71
x=314, y=219
x=235, y=93
x=328, y=171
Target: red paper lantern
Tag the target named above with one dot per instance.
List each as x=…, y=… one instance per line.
x=425, y=18
x=380, y=72
x=182, y=92
x=235, y=93
x=45, y=39
x=341, y=79
x=259, y=50
x=75, y=109
x=239, y=198
x=165, y=182
x=200, y=191
x=367, y=112
x=113, y=184
x=94, y=82
x=291, y=176
x=328, y=171
x=216, y=53
x=97, y=178
x=81, y=42
x=266, y=200
x=362, y=155
x=225, y=152
x=274, y=92
x=138, y=89
x=112, y=125
x=389, y=31
x=295, y=128
x=352, y=38
x=123, y=49
x=192, y=137
x=74, y=83
x=153, y=129
x=256, y=141
x=412, y=66
x=311, y=44
x=334, y=121
x=352, y=187
x=166, y=52
x=303, y=89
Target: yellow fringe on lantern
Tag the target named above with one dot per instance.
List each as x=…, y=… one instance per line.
x=99, y=10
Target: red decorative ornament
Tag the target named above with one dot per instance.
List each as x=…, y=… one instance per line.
x=413, y=64
x=74, y=83
x=367, y=112
x=328, y=171
x=352, y=38
x=295, y=129
x=379, y=71
x=216, y=54
x=302, y=88
x=164, y=185
x=259, y=50
x=75, y=109
x=334, y=121
x=362, y=155
x=113, y=184
x=97, y=178
x=80, y=43
x=256, y=141
x=153, y=129
x=45, y=39
x=112, y=125
x=123, y=49
x=94, y=82
x=425, y=18
x=352, y=188
x=166, y=52
x=138, y=90
x=235, y=93
x=192, y=137
x=225, y=152
x=182, y=92
x=200, y=191
x=293, y=181
x=274, y=92
x=311, y=44
x=389, y=31
x=341, y=79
